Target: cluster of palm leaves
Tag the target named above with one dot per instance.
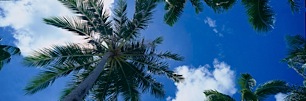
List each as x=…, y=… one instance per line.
x=260, y=13
x=247, y=83
x=296, y=60
x=6, y=52
x=115, y=61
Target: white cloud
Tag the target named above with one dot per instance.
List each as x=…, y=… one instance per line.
x=280, y=97
x=212, y=23
x=221, y=78
x=25, y=17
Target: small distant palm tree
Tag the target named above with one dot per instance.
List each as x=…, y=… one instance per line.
x=6, y=52
x=260, y=13
x=247, y=82
x=116, y=62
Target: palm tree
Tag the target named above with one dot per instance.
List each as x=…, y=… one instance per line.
x=6, y=52
x=260, y=14
x=115, y=62
x=247, y=82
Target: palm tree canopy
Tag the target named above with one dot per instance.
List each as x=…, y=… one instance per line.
x=131, y=66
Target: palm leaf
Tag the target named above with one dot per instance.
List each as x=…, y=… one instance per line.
x=72, y=53
x=246, y=81
x=213, y=95
x=294, y=5
x=220, y=5
x=198, y=5
x=272, y=88
x=174, y=9
x=71, y=24
x=260, y=14
x=142, y=16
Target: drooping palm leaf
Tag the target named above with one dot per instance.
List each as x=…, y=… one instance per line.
x=271, y=88
x=6, y=52
x=260, y=14
x=213, y=95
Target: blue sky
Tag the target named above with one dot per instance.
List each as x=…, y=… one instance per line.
x=217, y=48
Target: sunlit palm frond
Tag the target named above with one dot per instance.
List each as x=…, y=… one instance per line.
x=248, y=95
x=260, y=14
x=220, y=6
x=271, y=88
x=57, y=55
x=213, y=95
x=174, y=9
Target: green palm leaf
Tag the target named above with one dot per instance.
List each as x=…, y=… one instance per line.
x=260, y=14
x=6, y=52
x=213, y=95
x=272, y=88
x=220, y=5
x=294, y=5
x=71, y=24
x=174, y=8
x=58, y=55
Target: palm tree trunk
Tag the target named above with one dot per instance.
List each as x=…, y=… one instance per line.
x=79, y=92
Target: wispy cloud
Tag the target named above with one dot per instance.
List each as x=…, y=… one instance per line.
x=212, y=23
x=222, y=79
x=25, y=17
x=280, y=97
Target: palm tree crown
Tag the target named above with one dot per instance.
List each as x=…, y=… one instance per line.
x=247, y=82
x=114, y=62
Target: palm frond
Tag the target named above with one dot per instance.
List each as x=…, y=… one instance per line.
x=260, y=14
x=71, y=24
x=213, y=95
x=72, y=53
x=248, y=95
x=298, y=94
x=46, y=78
x=174, y=9
x=120, y=19
x=272, y=88
x=142, y=16
x=294, y=5
x=220, y=5
x=198, y=5
x=246, y=81
x=6, y=52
